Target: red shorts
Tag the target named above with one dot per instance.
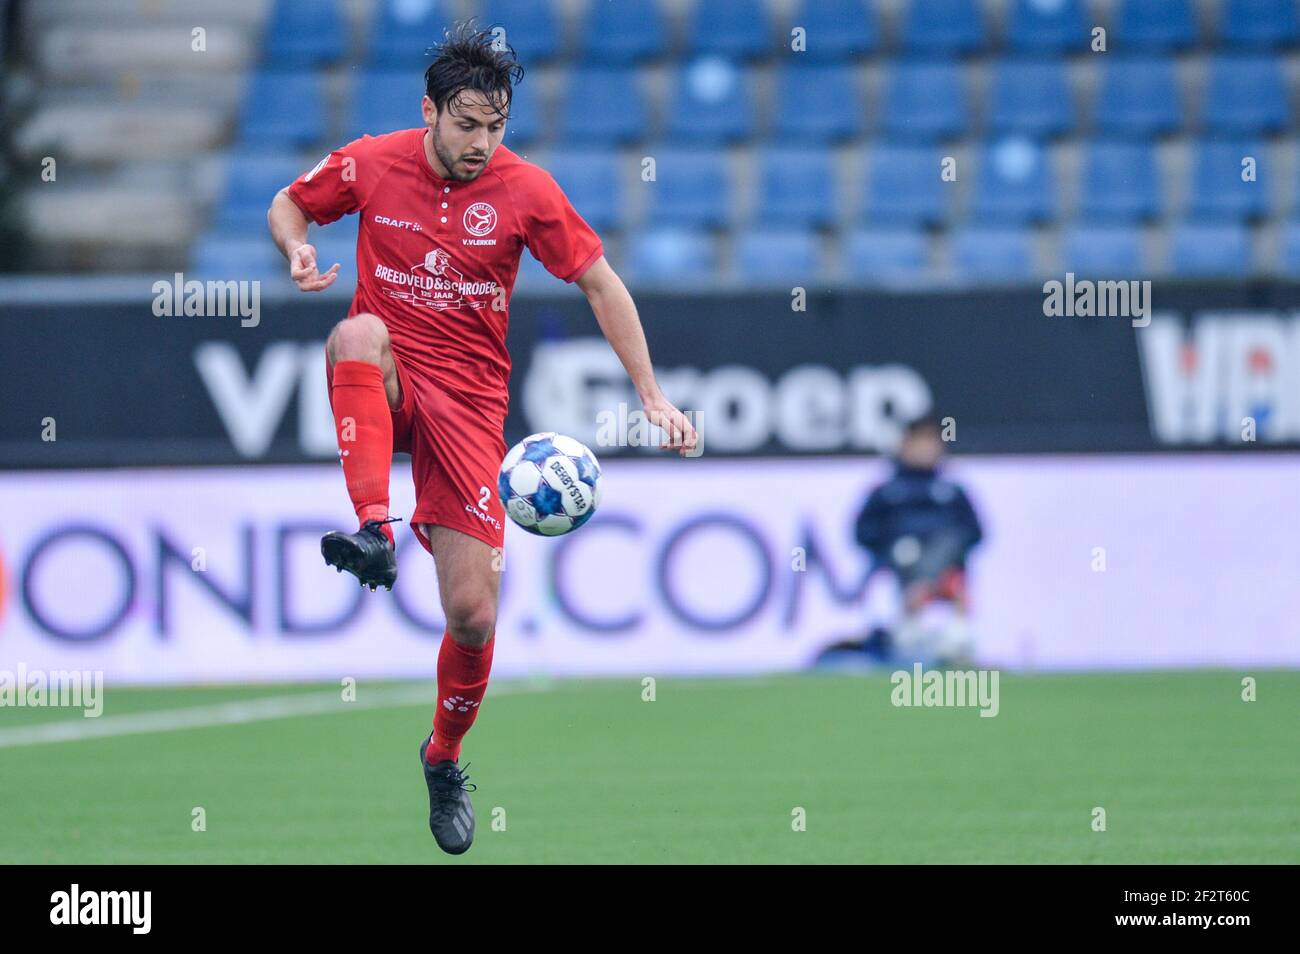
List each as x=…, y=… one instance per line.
x=456, y=452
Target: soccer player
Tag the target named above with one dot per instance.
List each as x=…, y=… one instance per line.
x=420, y=363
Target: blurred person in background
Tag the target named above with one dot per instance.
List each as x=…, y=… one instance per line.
x=921, y=526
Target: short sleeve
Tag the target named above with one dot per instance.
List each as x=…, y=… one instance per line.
x=330, y=190
x=556, y=234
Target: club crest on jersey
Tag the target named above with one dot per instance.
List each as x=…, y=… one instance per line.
x=436, y=283
x=480, y=219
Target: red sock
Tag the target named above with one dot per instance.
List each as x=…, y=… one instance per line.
x=364, y=427
x=462, y=681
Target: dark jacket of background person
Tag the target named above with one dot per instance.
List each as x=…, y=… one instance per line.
x=920, y=503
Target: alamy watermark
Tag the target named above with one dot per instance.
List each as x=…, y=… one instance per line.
x=1085, y=298
x=623, y=427
x=37, y=688
x=211, y=299
x=131, y=909
x=951, y=688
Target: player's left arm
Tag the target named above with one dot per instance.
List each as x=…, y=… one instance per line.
x=616, y=314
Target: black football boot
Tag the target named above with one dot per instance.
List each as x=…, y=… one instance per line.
x=366, y=554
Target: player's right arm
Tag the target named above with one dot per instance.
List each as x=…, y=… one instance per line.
x=324, y=194
x=288, y=227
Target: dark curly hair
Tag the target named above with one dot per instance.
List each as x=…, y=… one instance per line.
x=472, y=59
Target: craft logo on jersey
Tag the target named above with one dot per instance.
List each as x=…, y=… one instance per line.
x=479, y=219
x=436, y=283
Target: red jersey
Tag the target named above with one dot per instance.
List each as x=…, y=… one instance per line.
x=434, y=255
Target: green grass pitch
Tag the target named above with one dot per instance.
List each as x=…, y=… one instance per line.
x=710, y=771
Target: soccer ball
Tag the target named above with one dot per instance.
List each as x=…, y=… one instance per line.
x=549, y=484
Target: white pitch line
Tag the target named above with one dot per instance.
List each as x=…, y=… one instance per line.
x=265, y=709
x=227, y=713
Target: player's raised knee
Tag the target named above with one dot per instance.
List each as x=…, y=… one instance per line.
x=362, y=337
x=471, y=622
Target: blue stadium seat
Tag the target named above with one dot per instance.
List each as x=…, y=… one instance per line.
x=885, y=254
x=304, y=34
x=1259, y=23
x=711, y=103
x=1014, y=183
x=1289, y=259
x=1157, y=24
x=837, y=29
x=817, y=103
x=624, y=32
x=943, y=26
x=925, y=101
x=1200, y=250
x=530, y=26
x=591, y=181
x=1138, y=96
x=252, y=180
x=731, y=28
x=985, y=255
x=404, y=30
x=1031, y=97
x=1102, y=251
x=529, y=115
x=1218, y=191
x=1046, y=26
x=603, y=105
x=672, y=254
x=796, y=187
x=764, y=256
x=383, y=102
x=904, y=186
x=691, y=187
x=286, y=109
x=1246, y=95
x=237, y=258
x=1120, y=182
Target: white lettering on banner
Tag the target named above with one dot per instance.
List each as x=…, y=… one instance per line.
x=252, y=404
x=809, y=408
x=1201, y=382
x=683, y=569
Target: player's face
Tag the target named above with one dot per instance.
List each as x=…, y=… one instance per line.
x=465, y=133
x=923, y=449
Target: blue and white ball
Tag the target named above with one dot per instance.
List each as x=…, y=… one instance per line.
x=549, y=484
